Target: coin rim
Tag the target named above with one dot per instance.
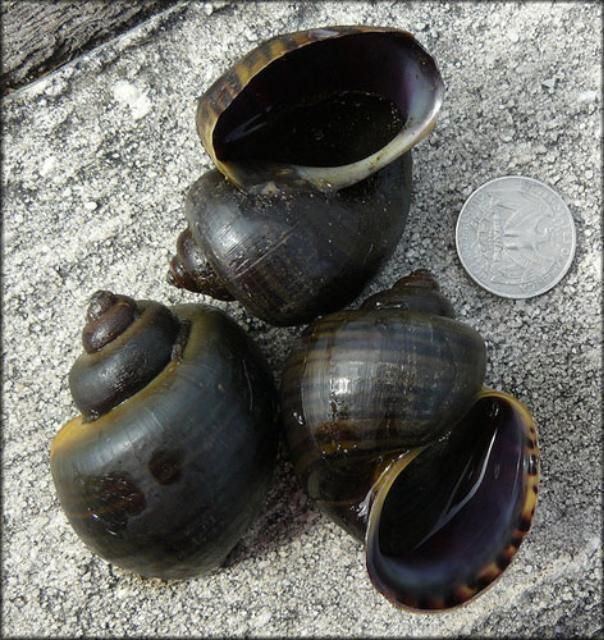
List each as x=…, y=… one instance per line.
x=563, y=272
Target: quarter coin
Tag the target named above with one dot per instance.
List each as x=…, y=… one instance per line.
x=515, y=237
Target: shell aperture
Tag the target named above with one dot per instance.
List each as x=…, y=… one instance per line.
x=448, y=523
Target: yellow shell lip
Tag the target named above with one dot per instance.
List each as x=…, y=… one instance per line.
x=462, y=592
x=419, y=80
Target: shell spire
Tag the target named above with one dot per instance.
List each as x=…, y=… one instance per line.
x=108, y=316
x=419, y=291
x=126, y=344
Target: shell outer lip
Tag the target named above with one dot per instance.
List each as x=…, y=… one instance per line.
x=390, y=472
x=223, y=91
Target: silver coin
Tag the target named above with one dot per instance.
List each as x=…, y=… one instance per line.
x=515, y=237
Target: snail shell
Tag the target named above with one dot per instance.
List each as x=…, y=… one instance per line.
x=394, y=436
x=171, y=458
x=289, y=257
x=307, y=81
x=316, y=152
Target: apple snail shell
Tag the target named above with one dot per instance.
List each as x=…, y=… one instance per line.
x=172, y=456
x=394, y=436
x=311, y=134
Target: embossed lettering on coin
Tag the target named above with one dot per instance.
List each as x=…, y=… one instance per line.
x=515, y=237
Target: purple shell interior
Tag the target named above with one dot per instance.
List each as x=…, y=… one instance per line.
x=320, y=83
x=451, y=520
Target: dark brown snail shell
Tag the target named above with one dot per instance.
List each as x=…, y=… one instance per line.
x=172, y=456
x=311, y=134
x=289, y=257
x=299, y=84
x=394, y=436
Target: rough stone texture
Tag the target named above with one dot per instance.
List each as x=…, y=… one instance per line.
x=98, y=158
x=39, y=36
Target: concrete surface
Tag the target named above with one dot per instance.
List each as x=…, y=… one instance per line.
x=38, y=37
x=98, y=157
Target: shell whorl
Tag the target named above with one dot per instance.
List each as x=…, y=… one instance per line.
x=364, y=385
x=189, y=269
x=419, y=291
x=126, y=344
x=108, y=316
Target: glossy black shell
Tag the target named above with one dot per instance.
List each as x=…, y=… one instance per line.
x=313, y=132
x=364, y=384
x=165, y=483
x=394, y=437
x=288, y=257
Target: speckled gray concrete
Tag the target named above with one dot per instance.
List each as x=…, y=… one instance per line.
x=98, y=159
